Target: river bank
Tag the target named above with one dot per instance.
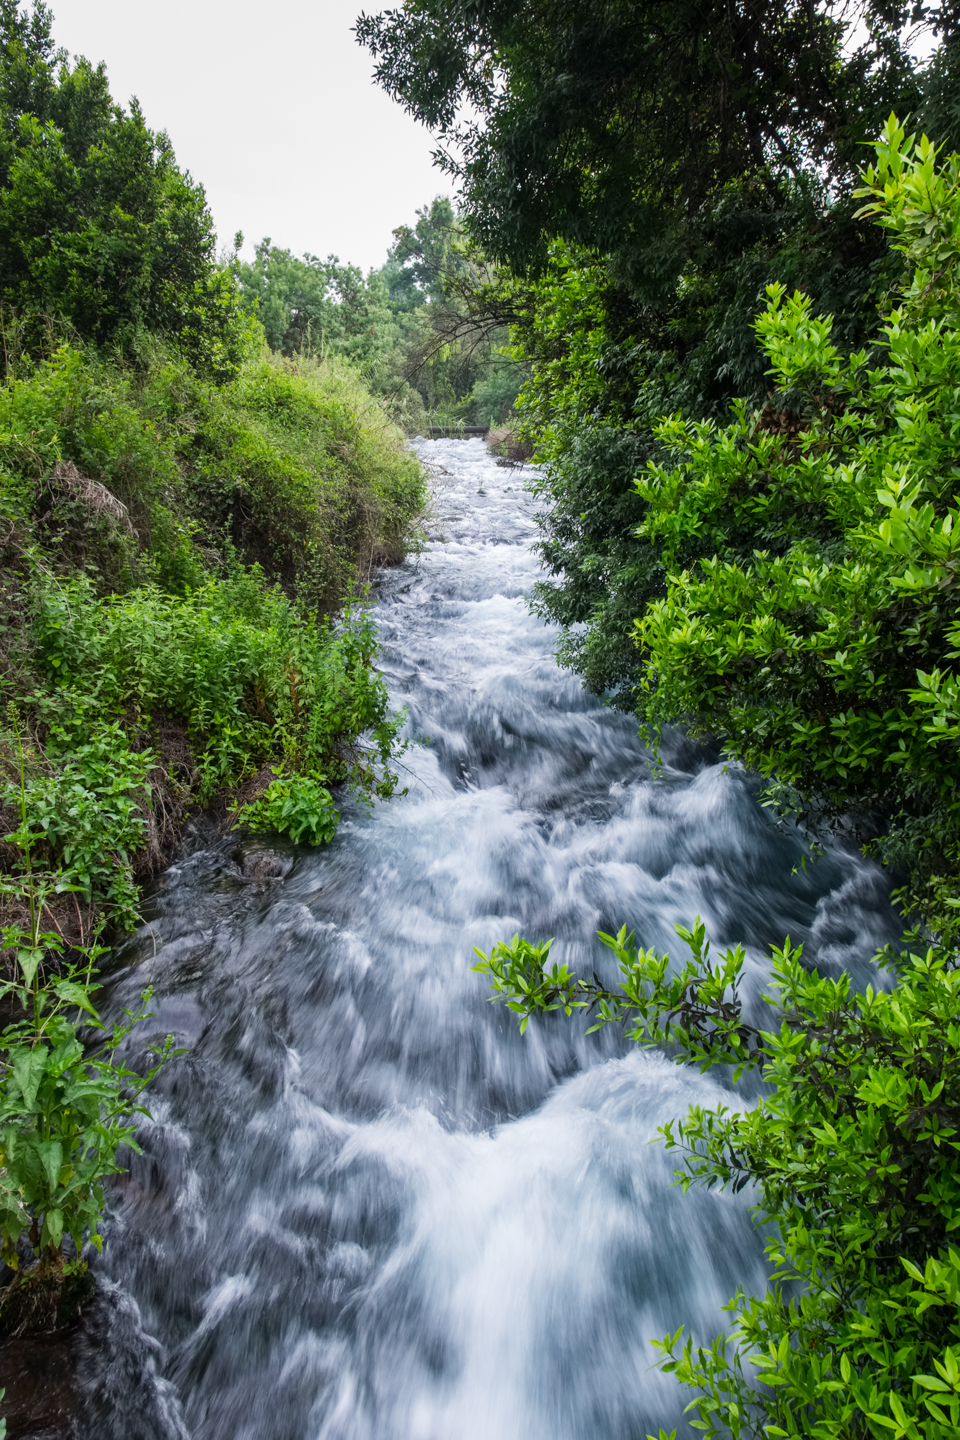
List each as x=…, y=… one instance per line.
x=171, y=550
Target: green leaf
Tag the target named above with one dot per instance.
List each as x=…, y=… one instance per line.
x=51, y=1158
x=73, y=994
x=28, y=1068
x=52, y=1227
x=29, y=962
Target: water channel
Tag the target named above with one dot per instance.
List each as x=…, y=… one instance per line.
x=367, y=1208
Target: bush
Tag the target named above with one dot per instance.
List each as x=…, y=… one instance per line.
x=853, y=1153
x=83, y=811
x=294, y=466
x=156, y=662
x=65, y=1112
x=251, y=678
x=814, y=628
x=299, y=807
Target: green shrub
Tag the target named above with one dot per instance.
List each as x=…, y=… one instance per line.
x=140, y=500
x=65, y=1112
x=252, y=678
x=294, y=466
x=83, y=812
x=813, y=627
x=853, y=1153
x=299, y=807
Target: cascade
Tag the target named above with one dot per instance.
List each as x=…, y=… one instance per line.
x=367, y=1208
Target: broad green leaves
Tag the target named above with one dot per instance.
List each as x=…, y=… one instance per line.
x=812, y=548
x=67, y=1105
x=298, y=806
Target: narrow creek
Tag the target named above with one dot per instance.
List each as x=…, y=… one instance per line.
x=367, y=1208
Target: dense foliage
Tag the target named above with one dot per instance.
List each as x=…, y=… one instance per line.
x=98, y=226
x=67, y=1108
x=172, y=525
x=810, y=617
x=572, y=120
x=164, y=575
x=309, y=306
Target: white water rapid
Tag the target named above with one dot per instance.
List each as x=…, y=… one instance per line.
x=367, y=1208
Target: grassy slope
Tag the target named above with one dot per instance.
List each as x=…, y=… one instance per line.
x=170, y=549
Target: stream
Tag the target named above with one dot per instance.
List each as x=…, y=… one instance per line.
x=367, y=1208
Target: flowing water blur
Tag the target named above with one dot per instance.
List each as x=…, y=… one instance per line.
x=367, y=1209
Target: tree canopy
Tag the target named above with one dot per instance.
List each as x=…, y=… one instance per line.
x=616, y=125
x=98, y=226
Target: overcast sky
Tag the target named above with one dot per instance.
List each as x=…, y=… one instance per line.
x=273, y=109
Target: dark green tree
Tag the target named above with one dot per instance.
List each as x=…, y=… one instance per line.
x=612, y=123
x=99, y=228
x=314, y=307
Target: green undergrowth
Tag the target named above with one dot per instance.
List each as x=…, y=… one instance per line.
x=292, y=465
x=176, y=555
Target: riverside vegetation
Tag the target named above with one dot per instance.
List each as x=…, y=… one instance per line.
x=781, y=577
x=410, y=325
x=188, y=520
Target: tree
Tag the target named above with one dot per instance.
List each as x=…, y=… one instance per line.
x=98, y=226
x=811, y=546
x=309, y=306
x=572, y=120
x=424, y=257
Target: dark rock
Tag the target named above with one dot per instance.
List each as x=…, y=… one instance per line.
x=263, y=865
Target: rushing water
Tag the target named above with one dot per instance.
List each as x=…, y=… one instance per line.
x=367, y=1209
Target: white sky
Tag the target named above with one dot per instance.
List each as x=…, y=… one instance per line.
x=273, y=109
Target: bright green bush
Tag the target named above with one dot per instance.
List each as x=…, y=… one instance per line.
x=140, y=503
x=65, y=1112
x=247, y=670
x=817, y=633
x=83, y=811
x=294, y=466
x=853, y=1153
x=299, y=807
